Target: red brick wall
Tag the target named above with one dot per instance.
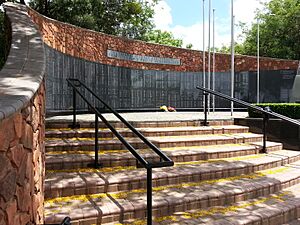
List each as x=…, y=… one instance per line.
x=22, y=164
x=92, y=46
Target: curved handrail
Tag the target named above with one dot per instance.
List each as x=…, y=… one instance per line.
x=249, y=105
x=75, y=83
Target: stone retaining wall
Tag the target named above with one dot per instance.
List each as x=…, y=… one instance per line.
x=22, y=130
x=94, y=46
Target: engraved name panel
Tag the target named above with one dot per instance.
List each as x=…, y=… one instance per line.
x=142, y=58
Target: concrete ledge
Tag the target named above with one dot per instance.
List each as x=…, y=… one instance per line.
x=24, y=69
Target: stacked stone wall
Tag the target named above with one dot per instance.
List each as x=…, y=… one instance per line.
x=22, y=164
x=22, y=129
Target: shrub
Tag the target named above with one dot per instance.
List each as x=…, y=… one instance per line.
x=291, y=110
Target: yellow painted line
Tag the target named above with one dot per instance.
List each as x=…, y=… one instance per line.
x=91, y=170
x=124, y=194
x=101, y=152
x=70, y=129
x=120, y=168
x=125, y=168
x=141, y=150
x=240, y=158
x=78, y=139
x=178, y=217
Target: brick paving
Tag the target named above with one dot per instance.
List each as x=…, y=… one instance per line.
x=63, y=144
x=219, y=176
x=58, y=182
x=181, y=198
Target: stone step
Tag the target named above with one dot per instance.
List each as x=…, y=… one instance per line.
x=59, y=160
x=91, y=181
x=113, y=207
x=63, y=123
x=294, y=222
x=150, y=132
x=66, y=144
x=282, y=208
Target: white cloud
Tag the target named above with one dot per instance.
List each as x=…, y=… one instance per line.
x=190, y=34
x=162, y=17
x=244, y=11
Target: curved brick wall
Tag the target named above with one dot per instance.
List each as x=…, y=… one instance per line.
x=93, y=46
x=131, y=74
x=22, y=110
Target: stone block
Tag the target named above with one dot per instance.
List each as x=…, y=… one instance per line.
x=11, y=211
x=4, y=165
x=8, y=185
x=25, y=218
x=27, y=137
x=17, y=154
x=23, y=198
x=18, y=120
x=35, y=115
x=7, y=134
x=2, y=218
x=21, y=179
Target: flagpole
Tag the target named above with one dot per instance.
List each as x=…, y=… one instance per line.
x=209, y=52
x=232, y=56
x=214, y=62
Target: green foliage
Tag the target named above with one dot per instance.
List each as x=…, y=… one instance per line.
x=291, y=110
x=163, y=37
x=127, y=18
x=189, y=46
x=279, y=31
x=279, y=24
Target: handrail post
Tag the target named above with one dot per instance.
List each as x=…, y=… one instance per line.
x=205, y=123
x=265, y=124
x=149, y=196
x=74, y=108
x=74, y=124
x=96, y=141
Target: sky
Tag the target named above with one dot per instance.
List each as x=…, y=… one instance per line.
x=184, y=18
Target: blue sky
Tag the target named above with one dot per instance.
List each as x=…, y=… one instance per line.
x=184, y=19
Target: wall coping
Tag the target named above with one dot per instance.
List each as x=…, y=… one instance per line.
x=24, y=69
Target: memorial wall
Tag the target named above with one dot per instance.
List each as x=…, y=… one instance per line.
x=131, y=74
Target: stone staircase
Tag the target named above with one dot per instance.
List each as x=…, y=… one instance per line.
x=219, y=177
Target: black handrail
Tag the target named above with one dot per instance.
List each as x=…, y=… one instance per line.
x=165, y=161
x=266, y=112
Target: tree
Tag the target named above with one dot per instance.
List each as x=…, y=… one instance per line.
x=163, y=37
x=127, y=18
x=279, y=31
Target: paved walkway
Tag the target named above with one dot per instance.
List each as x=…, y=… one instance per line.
x=156, y=116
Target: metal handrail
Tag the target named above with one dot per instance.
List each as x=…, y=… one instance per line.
x=165, y=161
x=266, y=112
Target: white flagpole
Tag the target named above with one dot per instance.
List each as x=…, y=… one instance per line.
x=214, y=62
x=232, y=56
x=209, y=52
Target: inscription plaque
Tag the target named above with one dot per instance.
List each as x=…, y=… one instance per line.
x=142, y=58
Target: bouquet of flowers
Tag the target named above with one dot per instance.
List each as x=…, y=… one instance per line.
x=167, y=109
x=164, y=108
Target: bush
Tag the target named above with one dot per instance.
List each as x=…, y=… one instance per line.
x=291, y=110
